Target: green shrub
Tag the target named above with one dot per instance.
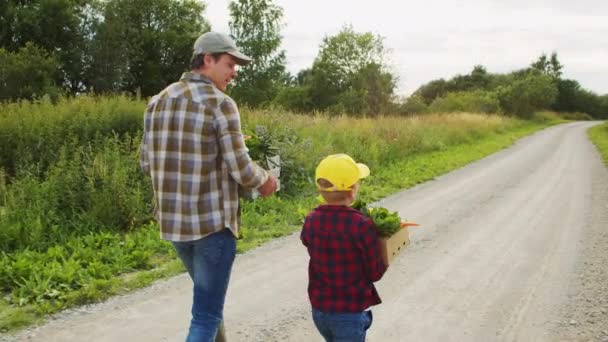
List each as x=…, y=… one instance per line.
x=576, y=116
x=32, y=134
x=413, y=105
x=477, y=101
x=94, y=187
x=296, y=99
x=526, y=95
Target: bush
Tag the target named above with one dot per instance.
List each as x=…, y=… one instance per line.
x=576, y=116
x=296, y=99
x=526, y=95
x=413, y=105
x=33, y=133
x=546, y=116
x=89, y=188
x=478, y=101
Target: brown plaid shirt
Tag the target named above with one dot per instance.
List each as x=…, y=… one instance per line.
x=193, y=149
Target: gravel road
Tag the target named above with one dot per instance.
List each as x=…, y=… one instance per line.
x=513, y=247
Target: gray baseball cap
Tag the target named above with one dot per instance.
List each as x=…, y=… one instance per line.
x=214, y=42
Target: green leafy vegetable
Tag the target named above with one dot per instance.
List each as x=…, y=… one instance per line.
x=387, y=223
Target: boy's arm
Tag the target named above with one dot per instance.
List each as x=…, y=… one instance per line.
x=373, y=263
x=232, y=146
x=303, y=237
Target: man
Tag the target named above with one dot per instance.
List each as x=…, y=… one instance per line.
x=193, y=150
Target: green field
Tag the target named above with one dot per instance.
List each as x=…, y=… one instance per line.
x=75, y=210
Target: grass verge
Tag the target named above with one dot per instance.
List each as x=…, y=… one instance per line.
x=599, y=136
x=264, y=220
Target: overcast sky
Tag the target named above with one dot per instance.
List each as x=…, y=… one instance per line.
x=442, y=38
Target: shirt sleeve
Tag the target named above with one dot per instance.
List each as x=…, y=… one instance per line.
x=233, y=149
x=373, y=263
x=303, y=237
x=144, y=162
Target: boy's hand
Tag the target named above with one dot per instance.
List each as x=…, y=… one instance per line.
x=268, y=187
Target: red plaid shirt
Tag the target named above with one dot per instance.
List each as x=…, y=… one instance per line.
x=345, y=259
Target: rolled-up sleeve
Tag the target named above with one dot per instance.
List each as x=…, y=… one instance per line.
x=144, y=162
x=373, y=264
x=233, y=149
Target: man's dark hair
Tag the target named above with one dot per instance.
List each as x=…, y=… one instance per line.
x=198, y=60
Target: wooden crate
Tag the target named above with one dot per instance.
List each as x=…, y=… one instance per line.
x=390, y=247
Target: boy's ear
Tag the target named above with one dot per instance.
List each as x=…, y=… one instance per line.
x=324, y=183
x=353, y=192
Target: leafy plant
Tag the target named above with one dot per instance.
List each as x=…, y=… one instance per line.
x=386, y=222
x=261, y=146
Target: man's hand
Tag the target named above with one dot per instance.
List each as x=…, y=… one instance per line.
x=268, y=187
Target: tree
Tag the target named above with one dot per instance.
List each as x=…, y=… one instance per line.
x=432, y=90
x=376, y=87
x=295, y=98
x=27, y=74
x=60, y=27
x=477, y=79
x=145, y=44
x=556, y=66
x=524, y=96
x=548, y=66
x=568, y=96
x=349, y=65
x=592, y=104
x=413, y=105
x=255, y=25
x=604, y=107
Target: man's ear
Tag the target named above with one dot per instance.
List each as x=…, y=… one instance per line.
x=208, y=58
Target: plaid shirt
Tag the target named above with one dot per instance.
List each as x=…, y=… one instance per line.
x=345, y=259
x=193, y=149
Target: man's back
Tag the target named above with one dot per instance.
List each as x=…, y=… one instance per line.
x=189, y=129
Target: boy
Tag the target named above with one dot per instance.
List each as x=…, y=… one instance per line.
x=345, y=257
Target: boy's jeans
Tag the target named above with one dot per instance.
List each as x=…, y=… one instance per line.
x=209, y=263
x=342, y=327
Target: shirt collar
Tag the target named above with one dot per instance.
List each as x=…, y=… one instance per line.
x=195, y=77
x=331, y=207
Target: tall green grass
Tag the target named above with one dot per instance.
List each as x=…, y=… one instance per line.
x=599, y=137
x=32, y=134
x=75, y=210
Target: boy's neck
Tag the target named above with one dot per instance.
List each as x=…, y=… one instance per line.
x=345, y=203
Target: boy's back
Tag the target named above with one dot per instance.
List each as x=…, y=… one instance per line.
x=344, y=254
x=344, y=259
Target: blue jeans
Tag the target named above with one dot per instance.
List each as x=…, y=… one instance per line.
x=209, y=263
x=342, y=327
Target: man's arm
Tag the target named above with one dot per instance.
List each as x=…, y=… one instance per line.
x=232, y=146
x=144, y=162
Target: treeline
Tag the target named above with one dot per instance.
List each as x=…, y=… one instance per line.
x=70, y=47
x=521, y=92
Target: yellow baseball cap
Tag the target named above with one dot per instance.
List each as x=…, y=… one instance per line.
x=341, y=170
